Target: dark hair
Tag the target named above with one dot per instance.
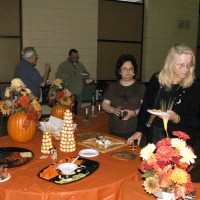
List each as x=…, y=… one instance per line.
x=72, y=51
x=121, y=60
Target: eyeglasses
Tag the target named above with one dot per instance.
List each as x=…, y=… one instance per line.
x=127, y=69
x=182, y=66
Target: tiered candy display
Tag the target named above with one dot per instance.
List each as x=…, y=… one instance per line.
x=67, y=141
x=46, y=143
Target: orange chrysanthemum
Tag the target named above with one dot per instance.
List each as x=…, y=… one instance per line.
x=24, y=101
x=163, y=142
x=164, y=176
x=179, y=176
x=164, y=154
x=60, y=95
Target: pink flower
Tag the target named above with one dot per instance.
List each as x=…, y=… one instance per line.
x=184, y=136
x=163, y=142
x=165, y=154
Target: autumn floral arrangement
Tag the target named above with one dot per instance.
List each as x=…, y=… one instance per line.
x=58, y=95
x=18, y=98
x=165, y=166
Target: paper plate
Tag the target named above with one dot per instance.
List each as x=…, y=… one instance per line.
x=158, y=113
x=89, y=80
x=84, y=74
x=5, y=179
x=88, y=153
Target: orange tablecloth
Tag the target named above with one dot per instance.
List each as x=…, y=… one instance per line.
x=114, y=180
x=98, y=122
x=105, y=183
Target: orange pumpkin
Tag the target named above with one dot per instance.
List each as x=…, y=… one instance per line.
x=58, y=111
x=16, y=129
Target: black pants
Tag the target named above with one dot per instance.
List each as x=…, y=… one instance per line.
x=156, y=134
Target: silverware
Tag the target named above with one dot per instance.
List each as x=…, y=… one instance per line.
x=75, y=159
x=102, y=140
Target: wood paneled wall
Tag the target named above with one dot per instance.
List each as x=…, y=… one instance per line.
x=120, y=31
x=9, y=38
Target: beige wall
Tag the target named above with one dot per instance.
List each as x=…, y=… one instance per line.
x=161, y=30
x=55, y=26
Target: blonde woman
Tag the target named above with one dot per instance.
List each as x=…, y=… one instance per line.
x=175, y=91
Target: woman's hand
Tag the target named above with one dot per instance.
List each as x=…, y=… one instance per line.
x=106, y=105
x=116, y=111
x=174, y=117
x=136, y=136
x=130, y=113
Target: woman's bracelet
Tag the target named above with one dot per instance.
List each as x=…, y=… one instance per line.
x=177, y=119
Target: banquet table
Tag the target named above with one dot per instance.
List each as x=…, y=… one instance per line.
x=97, y=122
x=113, y=180
x=104, y=183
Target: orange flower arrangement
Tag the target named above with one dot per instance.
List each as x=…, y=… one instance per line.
x=165, y=166
x=58, y=95
x=18, y=98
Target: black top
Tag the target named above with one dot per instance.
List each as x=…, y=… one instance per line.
x=186, y=105
x=164, y=101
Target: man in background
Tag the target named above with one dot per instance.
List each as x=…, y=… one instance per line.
x=73, y=73
x=27, y=72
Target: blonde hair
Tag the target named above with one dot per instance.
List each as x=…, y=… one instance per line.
x=166, y=75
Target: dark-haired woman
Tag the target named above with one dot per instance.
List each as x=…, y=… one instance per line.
x=123, y=98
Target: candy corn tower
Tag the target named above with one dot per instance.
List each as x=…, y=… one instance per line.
x=67, y=142
x=46, y=143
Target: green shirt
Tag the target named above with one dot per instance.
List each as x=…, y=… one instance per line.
x=73, y=83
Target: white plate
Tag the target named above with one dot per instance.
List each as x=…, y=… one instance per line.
x=89, y=80
x=84, y=74
x=5, y=178
x=158, y=113
x=88, y=153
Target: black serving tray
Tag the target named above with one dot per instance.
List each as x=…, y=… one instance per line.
x=84, y=170
x=10, y=156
